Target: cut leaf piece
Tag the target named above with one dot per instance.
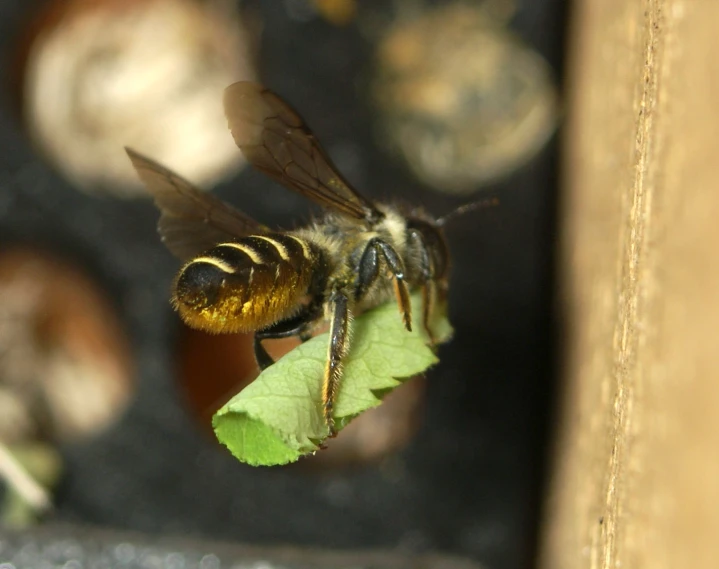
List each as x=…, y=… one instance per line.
x=278, y=417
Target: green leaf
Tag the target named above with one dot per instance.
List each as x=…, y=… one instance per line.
x=278, y=417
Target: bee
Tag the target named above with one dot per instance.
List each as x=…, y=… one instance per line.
x=241, y=276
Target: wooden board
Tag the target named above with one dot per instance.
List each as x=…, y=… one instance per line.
x=636, y=472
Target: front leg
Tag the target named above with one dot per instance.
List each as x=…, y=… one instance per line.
x=430, y=285
x=369, y=272
x=337, y=350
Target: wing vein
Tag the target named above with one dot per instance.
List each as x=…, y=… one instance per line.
x=276, y=141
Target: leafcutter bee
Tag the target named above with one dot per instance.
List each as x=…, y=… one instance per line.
x=241, y=276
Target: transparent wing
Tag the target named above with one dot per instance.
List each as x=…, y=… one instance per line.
x=191, y=221
x=276, y=141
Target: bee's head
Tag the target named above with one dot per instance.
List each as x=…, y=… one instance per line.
x=435, y=243
x=432, y=231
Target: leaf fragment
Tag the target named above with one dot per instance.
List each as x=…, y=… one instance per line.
x=278, y=417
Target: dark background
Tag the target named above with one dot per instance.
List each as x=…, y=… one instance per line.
x=468, y=484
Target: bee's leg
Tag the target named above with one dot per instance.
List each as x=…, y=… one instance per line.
x=296, y=326
x=429, y=285
x=338, y=348
x=369, y=271
x=429, y=301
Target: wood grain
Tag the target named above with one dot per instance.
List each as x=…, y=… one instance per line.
x=636, y=471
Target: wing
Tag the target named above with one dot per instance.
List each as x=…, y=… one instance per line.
x=191, y=221
x=276, y=141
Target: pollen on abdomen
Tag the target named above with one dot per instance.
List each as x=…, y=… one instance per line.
x=245, y=285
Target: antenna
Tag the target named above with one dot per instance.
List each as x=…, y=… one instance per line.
x=466, y=208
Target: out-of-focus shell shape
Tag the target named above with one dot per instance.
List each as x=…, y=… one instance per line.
x=460, y=98
x=149, y=74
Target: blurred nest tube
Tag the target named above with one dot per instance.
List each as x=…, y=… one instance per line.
x=460, y=98
x=98, y=75
x=66, y=373
x=65, y=365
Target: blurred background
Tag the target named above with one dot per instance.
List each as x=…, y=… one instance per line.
x=105, y=398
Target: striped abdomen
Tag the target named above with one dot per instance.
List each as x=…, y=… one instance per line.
x=245, y=285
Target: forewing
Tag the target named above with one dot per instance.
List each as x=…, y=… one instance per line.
x=276, y=141
x=191, y=221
